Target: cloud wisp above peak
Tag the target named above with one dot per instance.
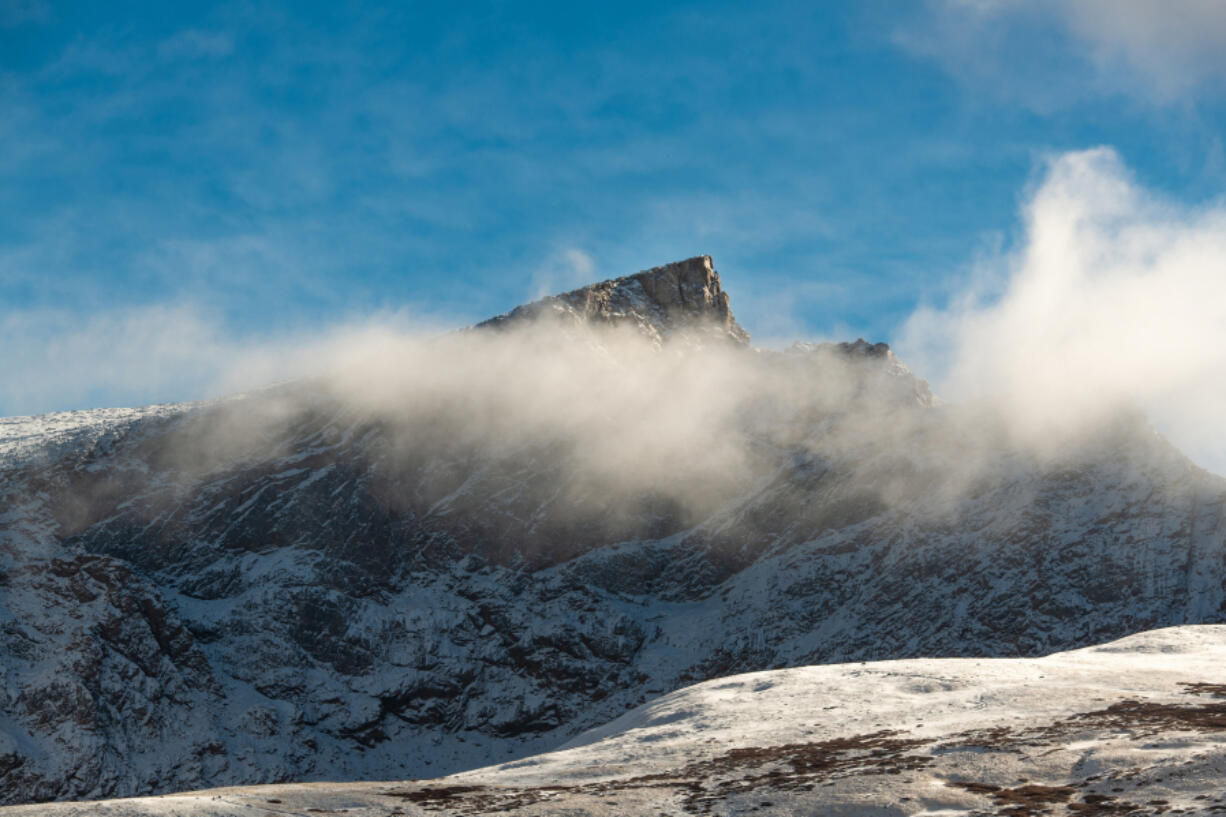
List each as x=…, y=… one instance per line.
x=1113, y=301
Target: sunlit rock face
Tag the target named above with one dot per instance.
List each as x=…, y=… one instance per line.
x=682, y=299
x=614, y=497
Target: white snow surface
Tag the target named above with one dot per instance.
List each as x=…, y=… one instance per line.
x=45, y=437
x=1134, y=726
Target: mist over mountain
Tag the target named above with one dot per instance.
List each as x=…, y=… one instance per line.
x=456, y=550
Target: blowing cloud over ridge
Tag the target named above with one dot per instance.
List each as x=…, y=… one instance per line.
x=1114, y=299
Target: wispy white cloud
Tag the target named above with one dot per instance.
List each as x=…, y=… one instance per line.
x=170, y=352
x=1114, y=301
x=1173, y=47
x=1048, y=53
x=565, y=269
x=154, y=354
x=195, y=43
x=19, y=12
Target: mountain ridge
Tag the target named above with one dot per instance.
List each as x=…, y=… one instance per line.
x=323, y=591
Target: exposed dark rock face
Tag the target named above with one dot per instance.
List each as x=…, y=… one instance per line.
x=327, y=597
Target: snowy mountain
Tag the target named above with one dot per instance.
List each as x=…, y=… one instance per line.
x=1137, y=726
x=479, y=546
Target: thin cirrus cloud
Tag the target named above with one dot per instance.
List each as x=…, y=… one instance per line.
x=17, y=12
x=1048, y=54
x=196, y=44
x=566, y=269
x=1113, y=301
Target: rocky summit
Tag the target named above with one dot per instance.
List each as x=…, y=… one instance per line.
x=661, y=303
x=295, y=584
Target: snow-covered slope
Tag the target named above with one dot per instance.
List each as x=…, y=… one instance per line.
x=282, y=587
x=1137, y=726
x=47, y=437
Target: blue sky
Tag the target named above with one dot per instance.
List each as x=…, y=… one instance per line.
x=180, y=182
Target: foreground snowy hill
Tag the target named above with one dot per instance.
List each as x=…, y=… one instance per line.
x=486, y=544
x=1137, y=726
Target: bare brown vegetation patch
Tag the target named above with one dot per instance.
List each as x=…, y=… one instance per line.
x=1203, y=688
x=702, y=784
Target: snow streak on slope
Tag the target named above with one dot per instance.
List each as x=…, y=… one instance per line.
x=1133, y=727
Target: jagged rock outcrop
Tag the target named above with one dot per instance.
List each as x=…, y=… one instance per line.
x=319, y=592
x=679, y=299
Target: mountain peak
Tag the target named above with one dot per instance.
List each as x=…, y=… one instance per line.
x=680, y=297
